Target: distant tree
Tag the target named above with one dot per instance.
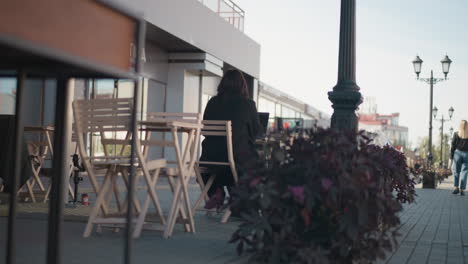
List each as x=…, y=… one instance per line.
x=423, y=149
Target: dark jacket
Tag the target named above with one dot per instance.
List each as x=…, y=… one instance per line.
x=245, y=128
x=458, y=143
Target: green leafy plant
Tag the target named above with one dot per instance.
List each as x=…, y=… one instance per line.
x=321, y=197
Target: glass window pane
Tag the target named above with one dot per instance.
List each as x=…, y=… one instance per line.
x=125, y=89
x=278, y=110
x=7, y=95
x=104, y=88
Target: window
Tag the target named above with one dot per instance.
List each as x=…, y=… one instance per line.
x=265, y=105
x=278, y=110
x=7, y=95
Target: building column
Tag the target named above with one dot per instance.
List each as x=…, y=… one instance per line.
x=345, y=95
x=184, y=90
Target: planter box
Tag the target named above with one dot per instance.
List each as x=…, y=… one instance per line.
x=429, y=182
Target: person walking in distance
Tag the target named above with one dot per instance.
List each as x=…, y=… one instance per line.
x=459, y=155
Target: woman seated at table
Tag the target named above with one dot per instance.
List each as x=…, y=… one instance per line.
x=231, y=103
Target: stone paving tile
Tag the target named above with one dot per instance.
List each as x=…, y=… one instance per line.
x=434, y=229
x=403, y=253
x=420, y=253
x=438, y=254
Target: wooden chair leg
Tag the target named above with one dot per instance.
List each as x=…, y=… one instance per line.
x=99, y=201
x=184, y=176
x=37, y=179
x=226, y=216
x=180, y=210
x=172, y=212
x=135, y=200
x=71, y=191
x=228, y=212
x=108, y=198
x=46, y=197
x=189, y=211
x=29, y=186
x=154, y=196
x=200, y=181
x=32, y=152
x=115, y=191
x=204, y=193
x=94, y=183
x=70, y=188
x=141, y=217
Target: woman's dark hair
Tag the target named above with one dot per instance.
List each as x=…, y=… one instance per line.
x=233, y=84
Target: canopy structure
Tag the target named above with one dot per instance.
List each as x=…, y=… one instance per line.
x=64, y=39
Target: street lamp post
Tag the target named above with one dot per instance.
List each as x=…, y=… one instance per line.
x=417, y=63
x=442, y=120
x=345, y=95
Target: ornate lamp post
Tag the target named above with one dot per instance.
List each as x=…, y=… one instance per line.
x=417, y=63
x=442, y=120
x=345, y=95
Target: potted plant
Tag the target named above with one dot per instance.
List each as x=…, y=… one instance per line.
x=432, y=176
x=322, y=197
x=429, y=178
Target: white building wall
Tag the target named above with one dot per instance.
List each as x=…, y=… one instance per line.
x=156, y=66
x=194, y=23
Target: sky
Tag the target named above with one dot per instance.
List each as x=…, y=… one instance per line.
x=299, y=53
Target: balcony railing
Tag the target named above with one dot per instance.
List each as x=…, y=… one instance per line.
x=228, y=10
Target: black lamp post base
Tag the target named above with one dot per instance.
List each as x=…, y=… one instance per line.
x=345, y=104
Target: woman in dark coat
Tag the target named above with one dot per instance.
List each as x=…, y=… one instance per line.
x=231, y=103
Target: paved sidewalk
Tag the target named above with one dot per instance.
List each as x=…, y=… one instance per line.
x=208, y=245
x=434, y=230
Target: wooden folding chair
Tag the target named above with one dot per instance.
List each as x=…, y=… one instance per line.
x=70, y=173
x=218, y=128
x=183, y=164
x=38, y=152
x=114, y=117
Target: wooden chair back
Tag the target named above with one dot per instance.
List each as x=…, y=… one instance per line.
x=219, y=128
x=104, y=116
x=185, y=117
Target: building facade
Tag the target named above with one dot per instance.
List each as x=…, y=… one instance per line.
x=292, y=111
x=386, y=128
x=189, y=44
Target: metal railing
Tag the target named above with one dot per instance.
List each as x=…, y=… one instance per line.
x=228, y=10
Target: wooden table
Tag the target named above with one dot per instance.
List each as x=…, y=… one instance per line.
x=185, y=161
